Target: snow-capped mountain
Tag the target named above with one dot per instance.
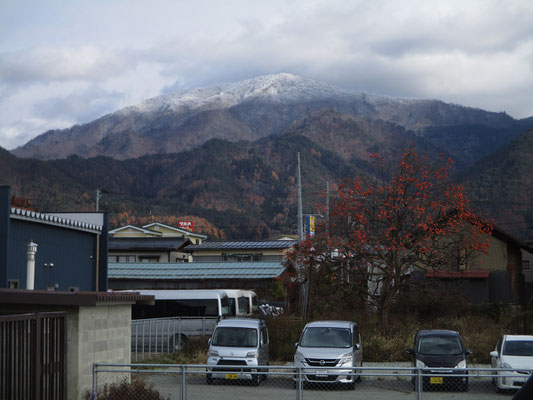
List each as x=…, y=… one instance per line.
x=246, y=110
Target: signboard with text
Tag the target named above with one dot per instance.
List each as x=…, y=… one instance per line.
x=309, y=226
x=189, y=225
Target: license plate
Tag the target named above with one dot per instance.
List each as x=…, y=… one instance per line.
x=321, y=374
x=436, y=380
x=232, y=376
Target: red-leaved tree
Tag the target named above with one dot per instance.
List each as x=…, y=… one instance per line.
x=381, y=229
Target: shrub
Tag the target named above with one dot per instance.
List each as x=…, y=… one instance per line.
x=136, y=389
x=283, y=332
x=194, y=352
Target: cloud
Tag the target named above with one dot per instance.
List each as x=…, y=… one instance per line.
x=46, y=64
x=66, y=63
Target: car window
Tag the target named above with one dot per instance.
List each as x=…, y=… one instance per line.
x=518, y=348
x=326, y=337
x=439, y=345
x=234, y=337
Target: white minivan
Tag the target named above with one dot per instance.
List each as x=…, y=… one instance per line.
x=328, y=351
x=238, y=348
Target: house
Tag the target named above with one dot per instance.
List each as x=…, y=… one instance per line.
x=237, y=251
x=254, y=265
x=257, y=276
x=151, y=243
x=51, y=251
x=496, y=277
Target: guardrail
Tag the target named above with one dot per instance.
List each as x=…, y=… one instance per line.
x=191, y=382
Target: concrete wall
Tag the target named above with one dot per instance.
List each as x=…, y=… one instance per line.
x=103, y=335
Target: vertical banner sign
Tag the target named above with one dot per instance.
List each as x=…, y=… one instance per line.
x=309, y=226
x=189, y=225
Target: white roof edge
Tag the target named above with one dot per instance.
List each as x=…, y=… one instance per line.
x=19, y=213
x=136, y=228
x=185, y=231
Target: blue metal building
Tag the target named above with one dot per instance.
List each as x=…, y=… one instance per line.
x=71, y=248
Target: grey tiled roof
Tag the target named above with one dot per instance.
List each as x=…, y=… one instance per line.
x=150, y=243
x=196, y=270
x=250, y=245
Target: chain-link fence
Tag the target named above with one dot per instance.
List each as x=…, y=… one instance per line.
x=202, y=382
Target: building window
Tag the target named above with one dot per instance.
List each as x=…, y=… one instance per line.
x=121, y=259
x=241, y=257
x=13, y=284
x=149, y=259
x=526, y=265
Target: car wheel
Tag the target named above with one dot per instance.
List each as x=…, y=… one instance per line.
x=350, y=386
x=208, y=379
x=256, y=379
x=358, y=378
x=464, y=387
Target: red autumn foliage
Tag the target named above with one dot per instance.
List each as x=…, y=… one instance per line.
x=381, y=229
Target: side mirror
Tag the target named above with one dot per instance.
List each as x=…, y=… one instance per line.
x=296, y=345
x=493, y=354
x=468, y=352
x=209, y=342
x=410, y=352
x=357, y=346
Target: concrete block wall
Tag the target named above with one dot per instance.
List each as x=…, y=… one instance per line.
x=103, y=333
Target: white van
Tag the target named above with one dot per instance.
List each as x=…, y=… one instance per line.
x=175, y=316
x=327, y=353
x=253, y=301
x=237, y=350
x=239, y=302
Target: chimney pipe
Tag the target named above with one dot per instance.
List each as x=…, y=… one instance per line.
x=31, y=249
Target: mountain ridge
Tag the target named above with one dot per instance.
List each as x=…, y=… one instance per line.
x=245, y=110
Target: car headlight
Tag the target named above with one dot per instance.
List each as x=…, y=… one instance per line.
x=252, y=354
x=462, y=364
x=506, y=365
x=212, y=353
x=420, y=364
x=346, y=359
x=299, y=357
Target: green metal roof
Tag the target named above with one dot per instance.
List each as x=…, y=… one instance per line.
x=196, y=270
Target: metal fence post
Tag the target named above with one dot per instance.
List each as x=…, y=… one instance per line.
x=299, y=385
x=183, y=383
x=419, y=385
x=95, y=383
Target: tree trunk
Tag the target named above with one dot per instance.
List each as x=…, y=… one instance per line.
x=383, y=314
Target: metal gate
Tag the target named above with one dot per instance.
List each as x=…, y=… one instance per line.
x=33, y=351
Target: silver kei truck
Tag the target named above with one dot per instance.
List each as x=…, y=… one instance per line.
x=238, y=349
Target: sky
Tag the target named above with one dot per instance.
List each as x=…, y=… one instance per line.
x=70, y=62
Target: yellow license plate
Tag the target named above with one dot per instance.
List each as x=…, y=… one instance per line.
x=232, y=376
x=437, y=380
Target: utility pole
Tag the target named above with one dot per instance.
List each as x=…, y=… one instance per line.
x=327, y=203
x=300, y=214
x=304, y=294
x=98, y=196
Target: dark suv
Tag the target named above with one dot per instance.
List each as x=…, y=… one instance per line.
x=442, y=356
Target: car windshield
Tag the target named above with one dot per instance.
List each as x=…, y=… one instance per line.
x=234, y=337
x=439, y=345
x=518, y=348
x=326, y=337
